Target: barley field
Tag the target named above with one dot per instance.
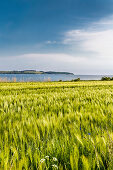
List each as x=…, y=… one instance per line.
x=56, y=125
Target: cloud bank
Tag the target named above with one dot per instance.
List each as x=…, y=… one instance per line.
x=84, y=51
x=96, y=39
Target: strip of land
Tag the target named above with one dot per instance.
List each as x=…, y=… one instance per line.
x=33, y=72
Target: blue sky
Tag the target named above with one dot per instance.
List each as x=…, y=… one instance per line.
x=58, y=35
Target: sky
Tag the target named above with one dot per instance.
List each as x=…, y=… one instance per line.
x=57, y=35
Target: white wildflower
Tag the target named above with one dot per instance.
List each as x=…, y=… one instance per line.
x=55, y=166
x=42, y=160
x=47, y=157
x=55, y=159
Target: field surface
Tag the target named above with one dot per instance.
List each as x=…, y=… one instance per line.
x=56, y=125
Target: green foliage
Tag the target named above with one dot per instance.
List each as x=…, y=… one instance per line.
x=106, y=78
x=56, y=125
x=78, y=79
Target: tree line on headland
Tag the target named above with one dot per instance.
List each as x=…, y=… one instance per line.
x=33, y=72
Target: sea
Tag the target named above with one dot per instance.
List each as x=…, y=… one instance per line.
x=47, y=77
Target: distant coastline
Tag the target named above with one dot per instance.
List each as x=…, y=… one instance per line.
x=34, y=72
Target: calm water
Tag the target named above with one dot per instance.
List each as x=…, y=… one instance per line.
x=47, y=77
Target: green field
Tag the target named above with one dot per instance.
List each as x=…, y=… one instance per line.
x=56, y=125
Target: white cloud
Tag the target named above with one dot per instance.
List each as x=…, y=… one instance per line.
x=56, y=62
x=105, y=21
x=50, y=42
x=50, y=56
x=53, y=58
x=96, y=39
x=38, y=61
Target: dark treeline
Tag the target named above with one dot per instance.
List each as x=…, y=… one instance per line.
x=107, y=78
